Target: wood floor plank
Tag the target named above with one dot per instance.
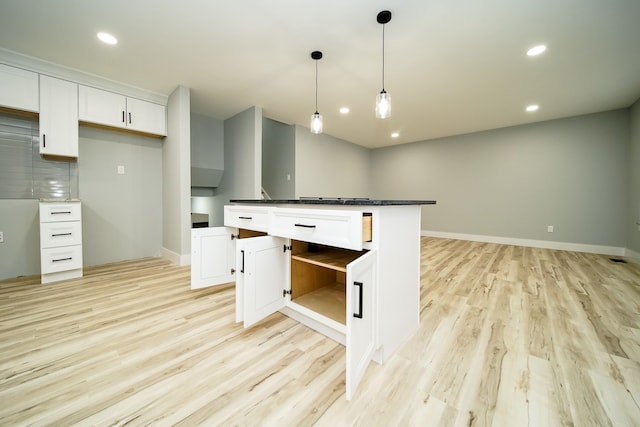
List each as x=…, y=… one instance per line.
x=508, y=336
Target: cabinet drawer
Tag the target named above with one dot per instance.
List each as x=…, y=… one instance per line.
x=250, y=218
x=55, y=234
x=53, y=260
x=56, y=212
x=343, y=229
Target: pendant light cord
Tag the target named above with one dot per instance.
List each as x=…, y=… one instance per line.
x=382, y=57
x=316, y=86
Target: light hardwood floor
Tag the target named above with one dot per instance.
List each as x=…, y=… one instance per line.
x=509, y=336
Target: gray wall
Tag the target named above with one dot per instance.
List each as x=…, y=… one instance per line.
x=207, y=142
x=278, y=159
x=176, y=178
x=207, y=151
x=121, y=216
x=633, y=235
x=330, y=167
x=20, y=252
x=243, y=160
x=513, y=182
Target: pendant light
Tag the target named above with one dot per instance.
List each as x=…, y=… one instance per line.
x=383, y=100
x=316, y=118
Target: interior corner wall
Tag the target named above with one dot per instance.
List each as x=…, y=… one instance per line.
x=330, y=167
x=514, y=182
x=278, y=159
x=176, y=178
x=633, y=222
x=242, y=177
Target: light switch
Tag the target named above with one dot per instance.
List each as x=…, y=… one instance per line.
x=120, y=170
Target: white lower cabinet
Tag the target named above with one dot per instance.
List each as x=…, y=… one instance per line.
x=60, y=241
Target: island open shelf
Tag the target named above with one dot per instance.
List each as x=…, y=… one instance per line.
x=318, y=278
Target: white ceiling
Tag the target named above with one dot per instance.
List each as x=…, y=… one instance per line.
x=452, y=66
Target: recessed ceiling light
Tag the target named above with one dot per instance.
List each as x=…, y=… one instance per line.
x=107, y=38
x=344, y=110
x=533, y=107
x=395, y=135
x=536, y=50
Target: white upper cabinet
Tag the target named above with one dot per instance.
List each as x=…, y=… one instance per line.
x=18, y=89
x=143, y=116
x=101, y=107
x=58, y=117
x=119, y=111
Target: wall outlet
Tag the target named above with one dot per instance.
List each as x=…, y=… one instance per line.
x=1, y=236
x=120, y=170
x=549, y=228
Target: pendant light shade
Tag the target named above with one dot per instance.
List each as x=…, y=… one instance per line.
x=316, y=123
x=383, y=105
x=383, y=100
x=316, y=118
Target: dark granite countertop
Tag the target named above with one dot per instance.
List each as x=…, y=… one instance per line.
x=337, y=201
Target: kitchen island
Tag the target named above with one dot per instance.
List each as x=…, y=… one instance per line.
x=348, y=268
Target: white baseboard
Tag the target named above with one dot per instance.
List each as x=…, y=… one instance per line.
x=635, y=256
x=545, y=244
x=175, y=258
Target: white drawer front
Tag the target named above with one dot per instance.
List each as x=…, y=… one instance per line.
x=247, y=217
x=335, y=228
x=54, y=234
x=56, y=212
x=53, y=260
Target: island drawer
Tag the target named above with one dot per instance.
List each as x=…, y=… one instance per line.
x=247, y=217
x=339, y=228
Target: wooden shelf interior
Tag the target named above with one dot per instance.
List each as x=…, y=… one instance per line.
x=326, y=256
x=318, y=275
x=245, y=234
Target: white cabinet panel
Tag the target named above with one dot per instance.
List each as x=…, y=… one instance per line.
x=18, y=89
x=101, y=107
x=361, y=314
x=264, y=268
x=58, y=117
x=212, y=256
x=143, y=116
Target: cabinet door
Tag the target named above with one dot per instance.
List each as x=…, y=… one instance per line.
x=58, y=117
x=264, y=267
x=212, y=256
x=18, y=88
x=101, y=107
x=146, y=117
x=361, y=294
